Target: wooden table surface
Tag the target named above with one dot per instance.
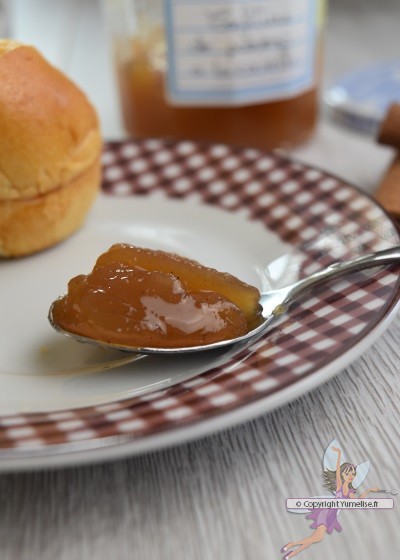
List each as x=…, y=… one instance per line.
x=223, y=497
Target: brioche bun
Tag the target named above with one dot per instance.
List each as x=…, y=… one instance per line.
x=50, y=147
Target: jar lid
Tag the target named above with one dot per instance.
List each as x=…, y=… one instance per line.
x=361, y=98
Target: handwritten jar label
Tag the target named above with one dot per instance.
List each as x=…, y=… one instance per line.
x=238, y=52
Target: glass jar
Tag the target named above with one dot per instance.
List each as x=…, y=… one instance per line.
x=243, y=72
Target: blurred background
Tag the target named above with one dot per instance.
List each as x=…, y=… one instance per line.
x=73, y=34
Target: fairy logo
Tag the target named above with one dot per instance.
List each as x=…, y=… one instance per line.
x=342, y=479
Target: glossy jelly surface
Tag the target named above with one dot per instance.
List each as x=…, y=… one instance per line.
x=143, y=298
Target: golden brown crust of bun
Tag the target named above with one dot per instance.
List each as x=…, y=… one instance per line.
x=49, y=130
x=8, y=45
x=30, y=225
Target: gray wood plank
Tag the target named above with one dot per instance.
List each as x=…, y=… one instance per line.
x=224, y=496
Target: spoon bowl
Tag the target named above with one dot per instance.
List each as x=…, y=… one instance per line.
x=274, y=304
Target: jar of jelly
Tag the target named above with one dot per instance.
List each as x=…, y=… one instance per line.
x=243, y=72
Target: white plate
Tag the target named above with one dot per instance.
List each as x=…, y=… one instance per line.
x=63, y=402
x=42, y=371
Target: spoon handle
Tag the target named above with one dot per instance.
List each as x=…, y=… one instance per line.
x=335, y=270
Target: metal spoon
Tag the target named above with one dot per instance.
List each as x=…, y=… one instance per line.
x=274, y=304
x=391, y=492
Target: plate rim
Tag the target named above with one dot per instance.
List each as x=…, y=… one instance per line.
x=125, y=445
x=98, y=449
